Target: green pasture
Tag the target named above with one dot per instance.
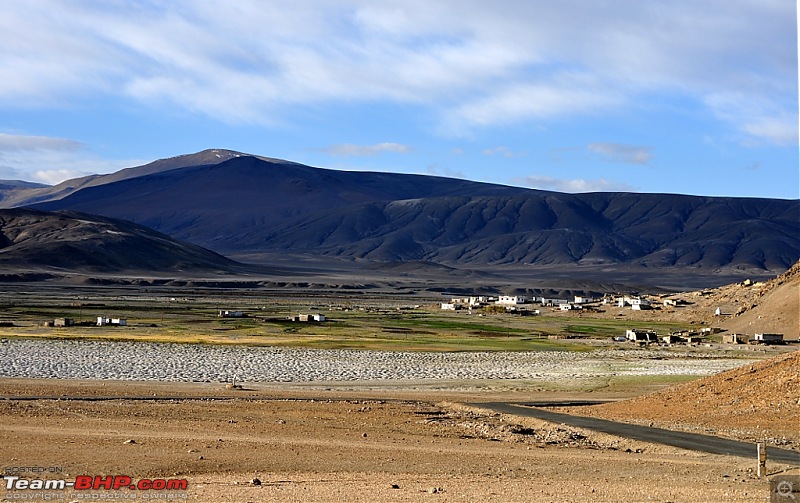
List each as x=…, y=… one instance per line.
x=377, y=324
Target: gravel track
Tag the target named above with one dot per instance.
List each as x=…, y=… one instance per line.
x=145, y=361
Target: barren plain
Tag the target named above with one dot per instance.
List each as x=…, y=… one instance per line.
x=381, y=419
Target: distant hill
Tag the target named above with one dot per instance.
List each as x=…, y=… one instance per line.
x=33, y=240
x=242, y=205
x=14, y=187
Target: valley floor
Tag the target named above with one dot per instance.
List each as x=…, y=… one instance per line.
x=346, y=443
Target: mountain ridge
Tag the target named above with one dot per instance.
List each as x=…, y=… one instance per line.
x=246, y=205
x=555, y=230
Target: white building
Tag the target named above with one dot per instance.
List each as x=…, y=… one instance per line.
x=641, y=335
x=225, y=313
x=767, y=338
x=636, y=303
x=553, y=302
x=511, y=300
x=471, y=301
x=478, y=300
x=103, y=321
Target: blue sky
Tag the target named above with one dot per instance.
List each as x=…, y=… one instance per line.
x=680, y=96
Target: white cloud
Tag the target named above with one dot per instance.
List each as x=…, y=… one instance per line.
x=56, y=176
x=14, y=143
x=350, y=150
x=562, y=96
x=572, y=185
x=758, y=118
x=780, y=130
x=628, y=154
x=501, y=151
x=474, y=63
x=52, y=160
x=66, y=167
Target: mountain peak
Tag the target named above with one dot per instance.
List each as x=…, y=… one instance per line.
x=220, y=155
x=214, y=155
x=240, y=204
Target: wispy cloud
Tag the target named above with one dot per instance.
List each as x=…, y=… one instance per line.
x=15, y=143
x=562, y=96
x=52, y=160
x=757, y=118
x=474, y=64
x=628, y=154
x=502, y=151
x=572, y=185
x=56, y=176
x=350, y=150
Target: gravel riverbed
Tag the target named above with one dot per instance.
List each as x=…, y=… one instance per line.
x=145, y=361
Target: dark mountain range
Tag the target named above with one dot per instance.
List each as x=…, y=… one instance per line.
x=252, y=206
x=650, y=230
x=248, y=195
x=75, y=242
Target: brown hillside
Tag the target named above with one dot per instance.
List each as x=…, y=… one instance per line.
x=775, y=308
x=747, y=307
x=753, y=402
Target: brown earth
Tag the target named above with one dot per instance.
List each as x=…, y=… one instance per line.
x=758, y=402
x=411, y=445
x=748, y=308
x=341, y=446
x=772, y=307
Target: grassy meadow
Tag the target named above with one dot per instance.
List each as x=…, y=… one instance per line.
x=381, y=323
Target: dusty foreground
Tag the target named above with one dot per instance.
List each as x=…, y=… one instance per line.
x=339, y=446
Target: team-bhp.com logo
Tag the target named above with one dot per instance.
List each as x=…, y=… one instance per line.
x=19, y=486
x=87, y=482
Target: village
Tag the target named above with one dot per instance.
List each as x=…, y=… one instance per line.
x=619, y=318
x=534, y=306
x=369, y=371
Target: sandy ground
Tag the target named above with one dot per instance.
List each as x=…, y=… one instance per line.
x=343, y=445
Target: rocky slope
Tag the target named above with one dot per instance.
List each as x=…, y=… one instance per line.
x=772, y=306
